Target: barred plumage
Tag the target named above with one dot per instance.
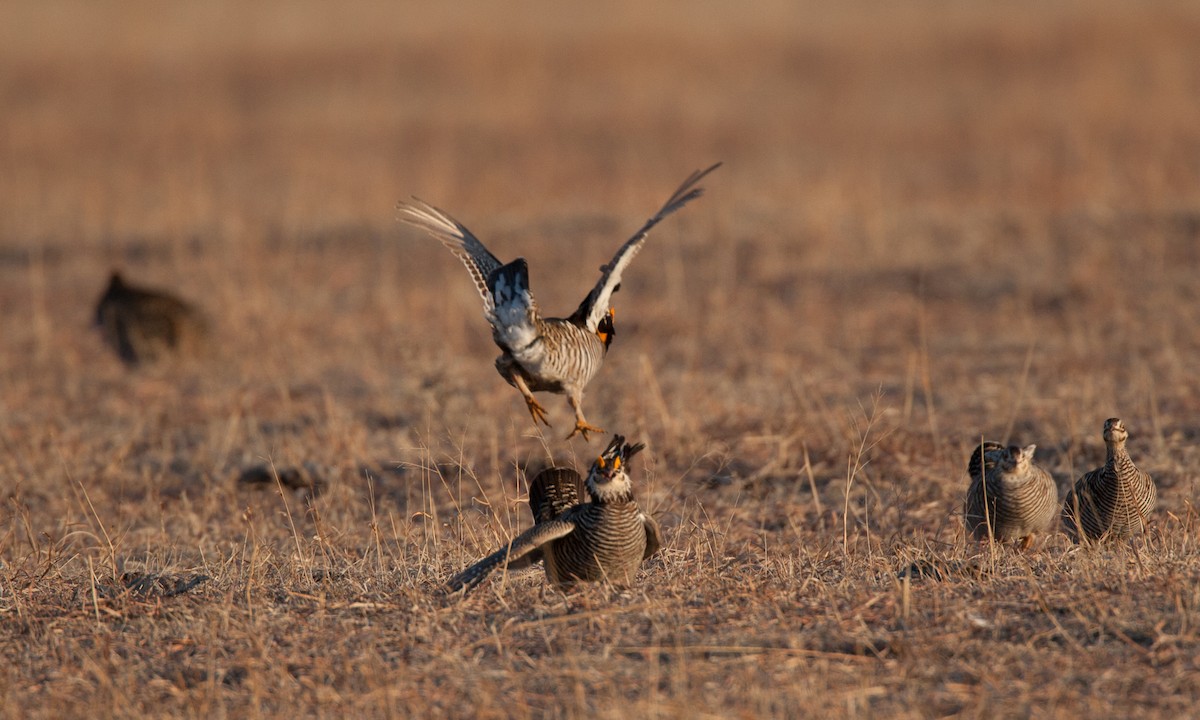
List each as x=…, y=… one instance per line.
x=1113, y=501
x=144, y=325
x=559, y=355
x=1010, y=497
x=604, y=539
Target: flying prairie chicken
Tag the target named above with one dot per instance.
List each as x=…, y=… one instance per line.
x=144, y=325
x=558, y=355
x=606, y=538
x=1009, y=498
x=1113, y=501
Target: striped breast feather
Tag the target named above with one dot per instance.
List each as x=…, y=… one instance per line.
x=1033, y=506
x=1114, y=501
x=610, y=543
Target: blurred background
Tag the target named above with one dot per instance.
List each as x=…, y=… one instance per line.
x=985, y=212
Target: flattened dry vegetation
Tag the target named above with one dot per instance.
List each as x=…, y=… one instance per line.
x=933, y=225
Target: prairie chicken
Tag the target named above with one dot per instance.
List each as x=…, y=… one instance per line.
x=144, y=325
x=1010, y=497
x=1113, y=501
x=606, y=538
x=558, y=355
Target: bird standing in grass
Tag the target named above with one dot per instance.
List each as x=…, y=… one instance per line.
x=559, y=355
x=605, y=539
x=144, y=325
x=1113, y=501
x=1010, y=498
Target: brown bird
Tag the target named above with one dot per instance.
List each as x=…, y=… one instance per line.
x=558, y=355
x=1113, y=501
x=606, y=538
x=1010, y=498
x=144, y=325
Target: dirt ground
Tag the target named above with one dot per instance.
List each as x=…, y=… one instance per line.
x=935, y=222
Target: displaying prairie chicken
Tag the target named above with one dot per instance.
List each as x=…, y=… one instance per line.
x=1010, y=498
x=606, y=538
x=558, y=355
x=1113, y=501
x=144, y=325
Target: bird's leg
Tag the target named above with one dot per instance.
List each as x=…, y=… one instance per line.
x=1026, y=542
x=535, y=408
x=582, y=426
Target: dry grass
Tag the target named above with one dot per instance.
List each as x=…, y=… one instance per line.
x=934, y=223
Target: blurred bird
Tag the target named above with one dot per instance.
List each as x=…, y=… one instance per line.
x=1113, y=501
x=558, y=355
x=1009, y=498
x=606, y=538
x=144, y=325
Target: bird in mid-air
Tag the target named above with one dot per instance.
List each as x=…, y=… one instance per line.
x=544, y=354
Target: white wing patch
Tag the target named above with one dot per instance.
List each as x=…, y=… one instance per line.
x=514, y=317
x=596, y=304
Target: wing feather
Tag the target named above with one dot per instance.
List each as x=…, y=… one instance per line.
x=511, y=555
x=595, y=305
x=480, y=262
x=653, y=536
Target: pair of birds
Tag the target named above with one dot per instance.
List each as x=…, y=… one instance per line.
x=605, y=538
x=1011, y=498
x=608, y=537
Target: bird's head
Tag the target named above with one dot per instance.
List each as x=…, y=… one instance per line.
x=1016, y=458
x=609, y=477
x=605, y=330
x=1114, y=431
x=116, y=288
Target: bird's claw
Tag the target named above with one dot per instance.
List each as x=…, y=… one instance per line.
x=582, y=427
x=537, y=411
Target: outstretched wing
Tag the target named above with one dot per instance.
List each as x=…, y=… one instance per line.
x=480, y=262
x=595, y=305
x=513, y=554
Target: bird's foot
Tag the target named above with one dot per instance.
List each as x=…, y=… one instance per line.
x=537, y=411
x=582, y=427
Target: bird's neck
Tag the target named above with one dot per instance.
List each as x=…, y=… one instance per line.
x=617, y=497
